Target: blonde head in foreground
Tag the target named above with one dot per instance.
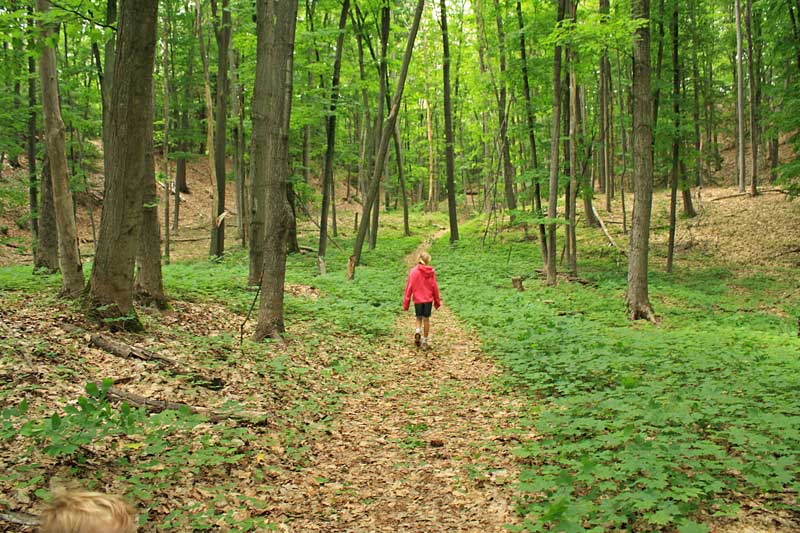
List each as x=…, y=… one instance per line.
x=88, y=512
x=424, y=258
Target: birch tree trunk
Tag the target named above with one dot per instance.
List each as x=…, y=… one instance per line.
x=69, y=259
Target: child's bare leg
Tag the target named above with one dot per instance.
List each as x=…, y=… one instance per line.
x=419, y=323
x=427, y=323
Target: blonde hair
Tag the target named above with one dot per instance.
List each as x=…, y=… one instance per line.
x=88, y=512
x=424, y=258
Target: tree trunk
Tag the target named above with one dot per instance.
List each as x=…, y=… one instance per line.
x=739, y=100
x=272, y=107
x=149, y=287
x=330, y=130
x=552, y=202
x=33, y=200
x=47, y=249
x=573, y=150
x=448, y=129
x=109, y=51
x=537, y=190
x=638, y=298
x=167, y=174
x=379, y=167
x=111, y=284
x=753, y=70
x=387, y=129
x=238, y=148
x=503, y=112
x=69, y=260
x=222, y=31
x=676, y=138
x=210, y=145
x=401, y=177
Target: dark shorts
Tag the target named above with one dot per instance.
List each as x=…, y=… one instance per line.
x=423, y=310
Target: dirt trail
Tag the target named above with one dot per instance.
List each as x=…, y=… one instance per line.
x=422, y=444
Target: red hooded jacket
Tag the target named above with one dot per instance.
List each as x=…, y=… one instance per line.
x=422, y=286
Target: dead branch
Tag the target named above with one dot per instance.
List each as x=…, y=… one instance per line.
x=156, y=406
x=605, y=231
x=20, y=518
x=738, y=195
x=787, y=252
x=127, y=351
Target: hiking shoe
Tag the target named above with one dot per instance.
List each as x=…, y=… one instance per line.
x=417, y=338
x=425, y=345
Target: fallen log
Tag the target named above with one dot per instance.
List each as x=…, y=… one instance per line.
x=737, y=195
x=156, y=406
x=20, y=518
x=605, y=231
x=127, y=351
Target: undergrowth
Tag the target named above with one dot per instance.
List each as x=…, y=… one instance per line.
x=640, y=427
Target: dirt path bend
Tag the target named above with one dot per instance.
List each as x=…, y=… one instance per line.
x=423, y=443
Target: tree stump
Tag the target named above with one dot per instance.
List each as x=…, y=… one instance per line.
x=516, y=282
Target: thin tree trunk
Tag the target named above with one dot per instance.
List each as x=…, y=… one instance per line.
x=388, y=127
x=272, y=107
x=69, y=256
x=33, y=200
x=210, y=145
x=753, y=71
x=330, y=130
x=508, y=168
x=739, y=100
x=238, y=148
x=222, y=31
x=448, y=129
x=111, y=284
x=401, y=177
x=537, y=190
x=573, y=152
x=167, y=174
x=552, y=202
x=676, y=140
x=638, y=298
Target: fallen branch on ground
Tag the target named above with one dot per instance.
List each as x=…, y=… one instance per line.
x=605, y=231
x=19, y=518
x=740, y=194
x=156, y=406
x=787, y=252
x=127, y=351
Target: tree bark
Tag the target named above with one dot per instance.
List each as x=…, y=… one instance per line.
x=537, y=190
x=388, y=127
x=573, y=150
x=111, y=284
x=210, y=144
x=753, y=71
x=33, y=200
x=149, y=287
x=503, y=112
x=272, y=107
x=69, y=260
x=401, y=176
x=222, y=31
x=552, y=202
x=238, y=148
x=330, y=130
x=448, y=129
x=47, y=250
x=739, y=100
x=676, y=140
x=638, y=298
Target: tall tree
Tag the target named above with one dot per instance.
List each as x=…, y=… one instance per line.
x=47, y=247
x=69, y=259
x=537, y=190
x=386, y=132
x=448, y=127
x=754, y=75
x=503, y=113
x=111, y=283
x=330, y=130
x=552, y=199
x=638, y=298
x=272, y=107
x=30, y=144
x=676, y=136
x=222, y=32
x=741, y=173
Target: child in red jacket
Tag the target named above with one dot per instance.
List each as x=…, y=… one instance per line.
x=423, y=288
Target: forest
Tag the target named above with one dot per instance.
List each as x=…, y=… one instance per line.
x=209, y=210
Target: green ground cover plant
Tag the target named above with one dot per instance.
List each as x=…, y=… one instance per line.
x=641, y=427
